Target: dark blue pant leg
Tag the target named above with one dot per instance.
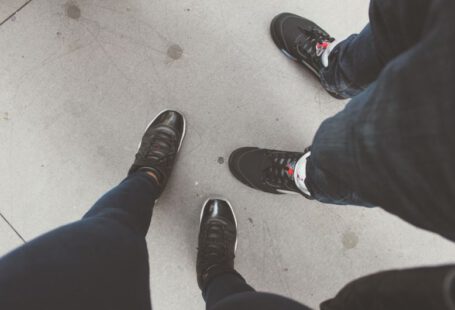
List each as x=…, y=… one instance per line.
x=231, y=292
x=99, y=262
x=395, y=26
x=354, y=64
x=393, y=145
x=333, y=173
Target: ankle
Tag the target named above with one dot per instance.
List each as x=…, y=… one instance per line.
x=214, y=273
x=151, y=173
x=300, y=173
x=153, y=176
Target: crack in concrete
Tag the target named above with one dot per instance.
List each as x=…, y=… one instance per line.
x=15, y=12
x=12, y=227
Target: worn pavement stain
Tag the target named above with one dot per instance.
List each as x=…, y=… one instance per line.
x=73, y=11
x=175, y=52
x=349, y=240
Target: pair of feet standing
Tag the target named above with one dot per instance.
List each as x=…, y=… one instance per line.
x=266, y=170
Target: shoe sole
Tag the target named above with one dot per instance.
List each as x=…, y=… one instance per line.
x=232, y=210
x=183, y=133
x=282, y=48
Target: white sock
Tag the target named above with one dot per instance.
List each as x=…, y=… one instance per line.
x=326, y=54
x=300, y=174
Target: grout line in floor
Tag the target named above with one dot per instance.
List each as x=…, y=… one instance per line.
x=12, y=227
x=15, y=12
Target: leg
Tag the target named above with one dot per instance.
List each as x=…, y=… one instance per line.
x=330, y=178
x=230, y=292
x=418, y=289
x=348, y=67
x=353, y=64
x=391, y=145
x=222, y=287
x=395, y=26
x=101, y=261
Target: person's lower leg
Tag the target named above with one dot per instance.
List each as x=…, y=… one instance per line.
x=131, y=202
x=101, y=261
x=223, y=286
x=352, y=65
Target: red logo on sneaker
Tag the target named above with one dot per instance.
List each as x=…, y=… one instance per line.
x=323, y=45
x=290, y=170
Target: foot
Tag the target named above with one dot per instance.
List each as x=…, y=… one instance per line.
x=266, y=170
x=302, y=41
x=217, y=241
x=159, y=146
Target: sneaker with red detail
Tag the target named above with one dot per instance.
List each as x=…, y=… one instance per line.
x=302, y=41
x=269, y=171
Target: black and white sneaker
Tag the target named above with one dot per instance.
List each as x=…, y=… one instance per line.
x=302, y=41
x=266, y=170
x=160, y=144
x=217, y=241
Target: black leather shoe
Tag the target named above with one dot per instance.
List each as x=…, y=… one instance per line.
x=301, y=40
x=160, y=144
x=217, y=241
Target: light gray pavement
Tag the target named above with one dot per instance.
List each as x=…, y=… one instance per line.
x=80, y=80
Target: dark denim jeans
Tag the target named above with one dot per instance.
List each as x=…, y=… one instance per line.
x=99, y=262
x=231, y=292
x=393, y=145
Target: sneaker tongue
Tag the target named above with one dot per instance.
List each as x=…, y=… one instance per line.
x=326, y=53
x=281, y=170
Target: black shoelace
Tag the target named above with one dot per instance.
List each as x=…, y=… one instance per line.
x=216, y=245
x=280, y=173
x=313, y=41
x=162, y=148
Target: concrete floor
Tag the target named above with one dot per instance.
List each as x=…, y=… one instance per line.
x=79, y=81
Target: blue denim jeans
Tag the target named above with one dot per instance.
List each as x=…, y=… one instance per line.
x=393, y=145
x=231, y=292
x=99, y=262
